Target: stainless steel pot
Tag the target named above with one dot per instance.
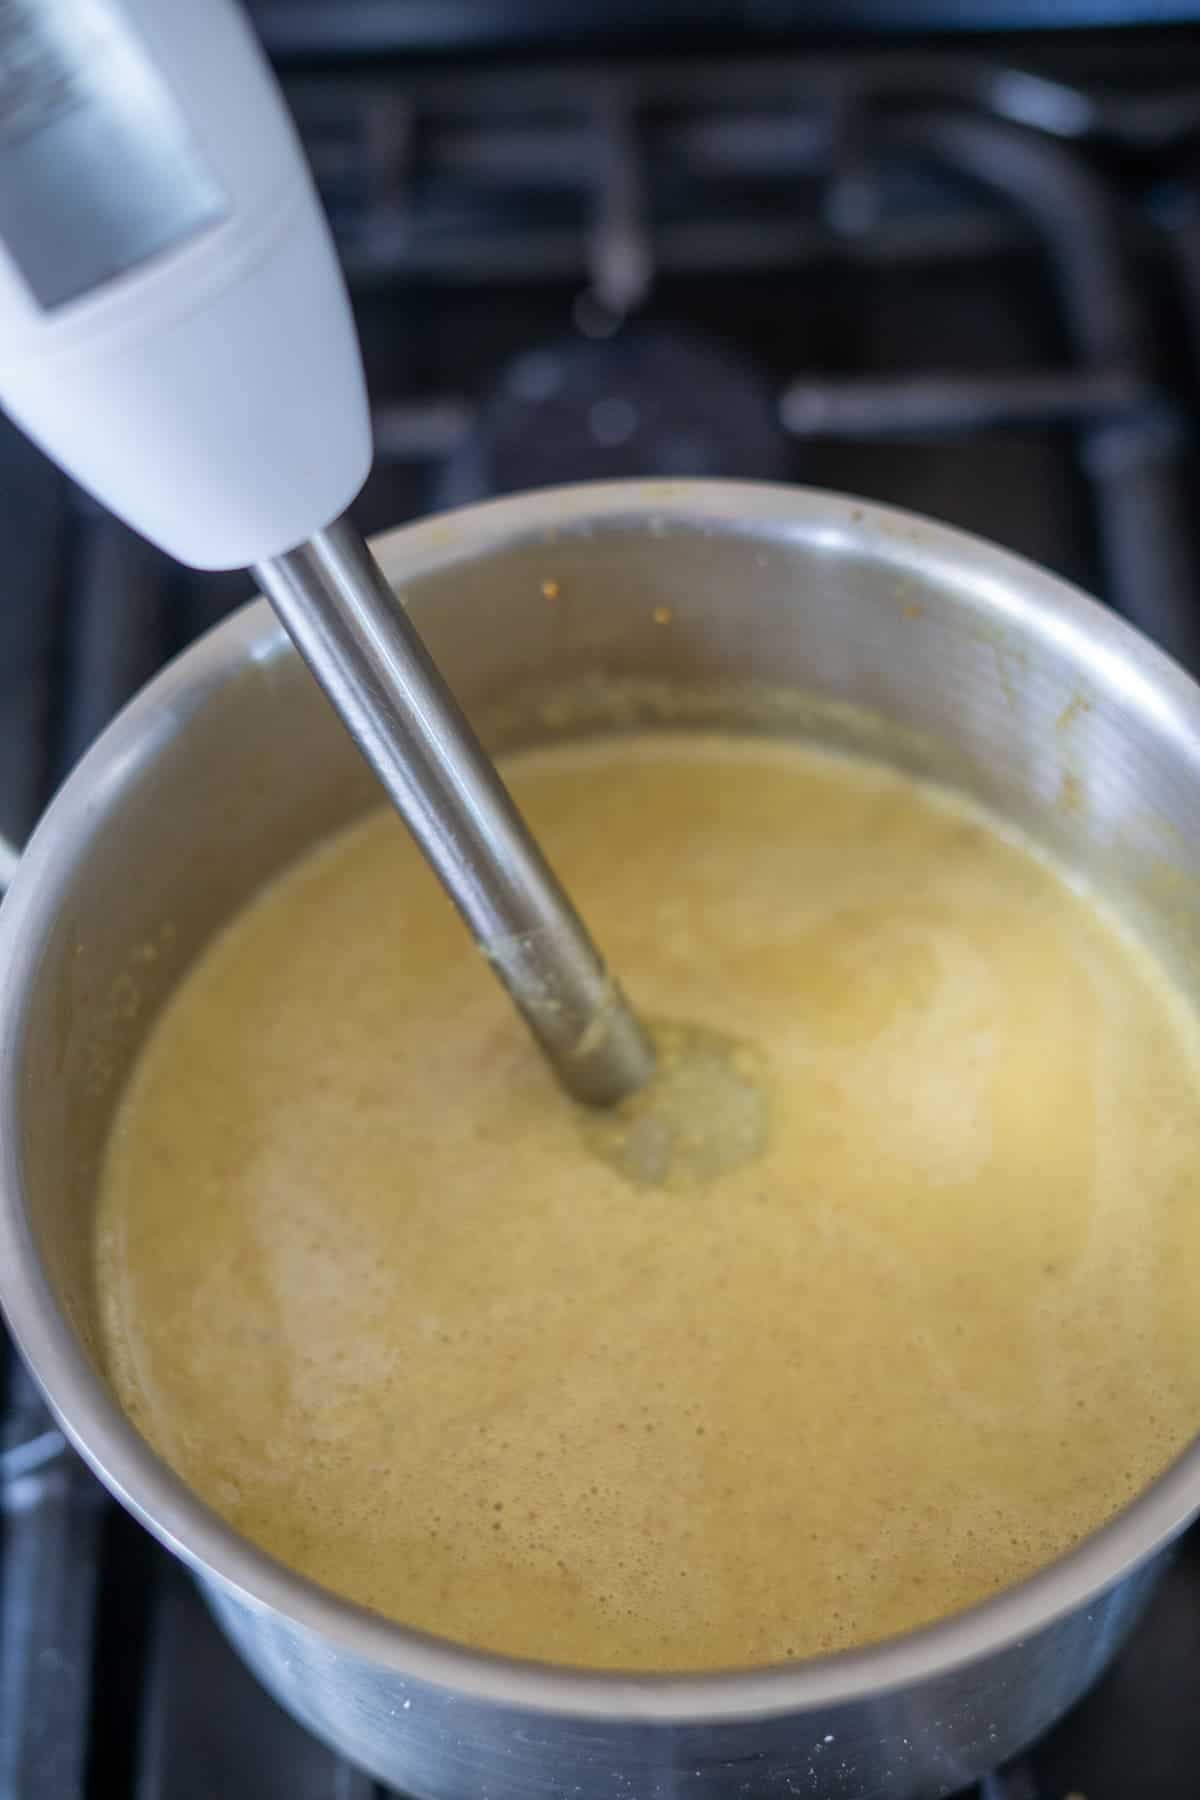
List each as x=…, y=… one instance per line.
x=946, y=654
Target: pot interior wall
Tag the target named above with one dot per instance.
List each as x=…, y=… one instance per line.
x=860, y=635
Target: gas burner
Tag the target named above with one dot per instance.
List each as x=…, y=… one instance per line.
x=647, y=401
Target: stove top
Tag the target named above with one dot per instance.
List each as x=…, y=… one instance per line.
x=963, y=281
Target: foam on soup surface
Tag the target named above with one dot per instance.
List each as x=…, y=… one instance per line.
x=381, y=1295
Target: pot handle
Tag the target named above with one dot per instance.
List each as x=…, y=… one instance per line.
x=10, y=856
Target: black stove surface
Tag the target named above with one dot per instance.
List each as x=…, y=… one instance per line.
x=964, y=281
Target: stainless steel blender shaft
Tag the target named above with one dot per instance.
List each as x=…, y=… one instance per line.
x=359, y=643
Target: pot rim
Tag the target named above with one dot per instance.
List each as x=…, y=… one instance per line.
x=994, y=582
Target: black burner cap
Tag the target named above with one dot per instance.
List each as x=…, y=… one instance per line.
x=648, y=401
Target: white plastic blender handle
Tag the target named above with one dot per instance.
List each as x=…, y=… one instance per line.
x=174, y=329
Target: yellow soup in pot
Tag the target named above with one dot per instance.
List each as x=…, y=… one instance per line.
x=376, y=1290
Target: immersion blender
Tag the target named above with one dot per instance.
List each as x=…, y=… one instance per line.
x=175, y=333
